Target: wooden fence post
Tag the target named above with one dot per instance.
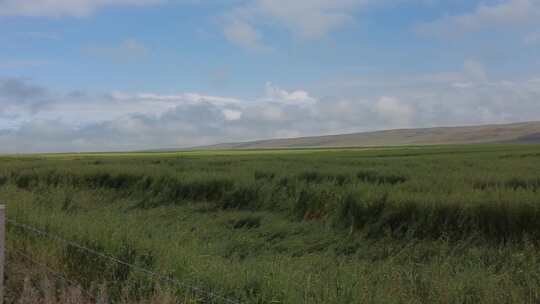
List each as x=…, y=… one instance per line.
x=2, y=249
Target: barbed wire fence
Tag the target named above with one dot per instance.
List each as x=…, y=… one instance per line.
x=209, y=295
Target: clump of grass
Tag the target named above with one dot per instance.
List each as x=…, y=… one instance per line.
x=246, y=222
x=241, y=197
x=311, y=204
x=3, y=180
x=316, y=177
x=374, y=177
x=514, y=183
x=264, y=175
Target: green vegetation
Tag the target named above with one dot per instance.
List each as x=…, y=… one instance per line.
x=444, y=224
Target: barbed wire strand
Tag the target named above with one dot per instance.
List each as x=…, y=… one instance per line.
x=151, y=273
x=55, y=273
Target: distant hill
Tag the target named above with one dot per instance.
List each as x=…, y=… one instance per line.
x=527, y=132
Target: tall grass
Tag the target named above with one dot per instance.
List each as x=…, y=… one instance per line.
x=456, y=224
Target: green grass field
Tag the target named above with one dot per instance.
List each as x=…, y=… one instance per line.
x=440, y=224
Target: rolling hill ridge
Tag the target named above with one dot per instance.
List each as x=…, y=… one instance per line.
x=526, y=133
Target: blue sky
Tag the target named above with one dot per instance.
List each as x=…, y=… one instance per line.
x=87, y=75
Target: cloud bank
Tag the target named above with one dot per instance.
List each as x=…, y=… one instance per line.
x=36, y=119
x=503, y=15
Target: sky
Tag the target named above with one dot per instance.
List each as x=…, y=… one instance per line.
x=117, y=75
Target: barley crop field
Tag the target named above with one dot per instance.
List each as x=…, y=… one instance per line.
x=439, y=224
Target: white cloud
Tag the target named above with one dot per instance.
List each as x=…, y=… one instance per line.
x=397, y=114
x=307, y=19
x=270, y=113
x=502, y=15
x=231, y=115
x=60, y=8
x=276, y=94
x=171, y=100
x=243, y=34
